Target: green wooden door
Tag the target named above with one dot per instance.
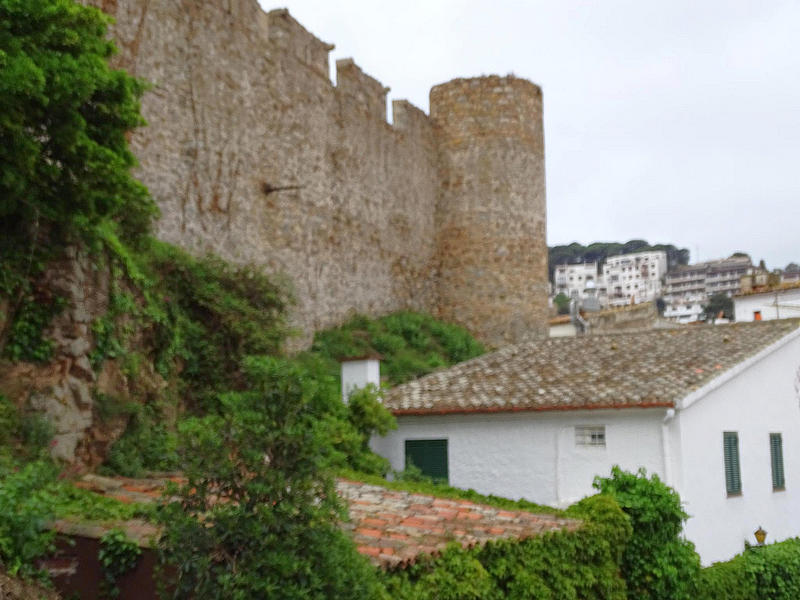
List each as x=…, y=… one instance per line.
x=429, y=456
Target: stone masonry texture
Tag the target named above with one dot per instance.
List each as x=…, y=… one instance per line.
x=253, y=154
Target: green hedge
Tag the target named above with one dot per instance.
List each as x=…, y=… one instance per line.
x=559, y=565
x=771, y=571
x=658, y=564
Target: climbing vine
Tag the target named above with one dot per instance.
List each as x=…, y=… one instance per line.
x=118, y=555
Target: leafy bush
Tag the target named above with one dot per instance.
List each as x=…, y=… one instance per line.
x=64, y=159
x=365, y=416
x=726, y=581
x=558, y=565
x=31, y=495
x=148, y=444
x=26, y=339
x=215, y=314
x=199, y=316
x=658, y=563
x=257, y=517
x=64, y=114
x=22, y=436
x=118, y=555
x=23, y=514
x=771, y=571
x=411, y=344
x=195, y=319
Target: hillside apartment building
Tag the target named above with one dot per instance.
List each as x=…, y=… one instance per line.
x=688, y=288
x=625, y=279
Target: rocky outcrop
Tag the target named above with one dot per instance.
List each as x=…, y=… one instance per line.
x=65, y=390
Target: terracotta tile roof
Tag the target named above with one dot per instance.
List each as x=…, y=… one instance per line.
x=392, y=528
x=642, y=369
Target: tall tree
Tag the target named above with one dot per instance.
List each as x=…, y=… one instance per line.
x=258, y=517
x=64, y=116
x=64, y=158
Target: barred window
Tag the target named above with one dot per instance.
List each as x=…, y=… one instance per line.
x=590, y=435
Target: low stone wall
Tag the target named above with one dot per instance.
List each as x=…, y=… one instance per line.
x=627, y=318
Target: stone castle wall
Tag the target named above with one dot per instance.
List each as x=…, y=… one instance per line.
x=253, y=154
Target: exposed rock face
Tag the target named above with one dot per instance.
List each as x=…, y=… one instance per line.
x=253, y=154
x=65, y=390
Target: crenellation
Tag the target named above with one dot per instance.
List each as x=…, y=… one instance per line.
x=252, y=153
x=359, y=90
x=408, y=118
x=290, y=38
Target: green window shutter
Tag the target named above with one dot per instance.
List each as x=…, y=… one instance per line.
x=776, y=454
x=733, y=477
x=429, y=456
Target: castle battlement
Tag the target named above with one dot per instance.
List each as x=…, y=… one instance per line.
x=361, y=90
x=293, y=40
x=252, y=153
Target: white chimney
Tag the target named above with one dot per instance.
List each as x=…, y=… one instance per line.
x=358, y=373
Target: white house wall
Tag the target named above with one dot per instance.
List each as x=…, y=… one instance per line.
x=533, y=455
x=759, y=401
x=788, y=305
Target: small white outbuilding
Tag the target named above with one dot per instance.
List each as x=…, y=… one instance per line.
x=713, y=410
x=764, y=305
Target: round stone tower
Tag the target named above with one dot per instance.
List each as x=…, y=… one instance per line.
x=491, y=207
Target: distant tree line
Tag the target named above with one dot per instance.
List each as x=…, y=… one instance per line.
x=599, y=251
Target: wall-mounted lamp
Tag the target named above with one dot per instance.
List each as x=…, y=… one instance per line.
x=761, y=535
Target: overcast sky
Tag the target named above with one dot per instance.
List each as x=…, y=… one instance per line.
x=673, y=121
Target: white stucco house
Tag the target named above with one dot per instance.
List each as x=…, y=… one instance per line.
x=765, y=305
x=713, y=410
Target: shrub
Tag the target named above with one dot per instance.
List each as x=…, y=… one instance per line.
x=658, y=563
x=258, y=515
x=411, y=344
x=64, y=158
x=771, y=571
x=23, y=514
x=64, y=115
x=148, y=444
x=726, y=581
x=558, y=565
x=118, y=555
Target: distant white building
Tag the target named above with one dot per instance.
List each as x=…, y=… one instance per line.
x=688, y=288
x=684, y=311
x=765, y=305
x=791, y=274
x=634, y=278
x=625, y=279
x=713, y=410
x=572, y=280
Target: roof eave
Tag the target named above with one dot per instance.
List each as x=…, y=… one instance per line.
x=405, y=412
